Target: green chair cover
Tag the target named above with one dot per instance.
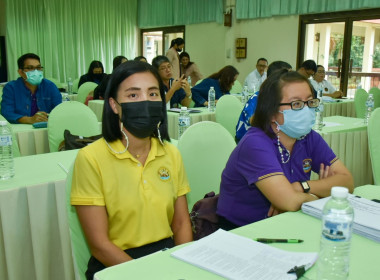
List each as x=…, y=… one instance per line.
x=376, y=96
x=228, y=109
x=360, y=98
x=236, y=88
x=57, y=83
x=80, y=250
x=374, y=144
x=84, y=90
x=205, y=148
x=74, y=116
x=75, y=85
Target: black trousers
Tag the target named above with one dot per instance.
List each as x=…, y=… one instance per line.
x=95, y=266
x=226, y=224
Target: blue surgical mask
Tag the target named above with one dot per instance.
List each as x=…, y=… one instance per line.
x=34, y=77
x=297, y=123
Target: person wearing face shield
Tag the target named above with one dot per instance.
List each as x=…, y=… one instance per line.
x=129, y=187
x=176, y=47
x=269, y=170
x=95, y=73
x=30, y=98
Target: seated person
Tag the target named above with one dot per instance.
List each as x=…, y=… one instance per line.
x=30, y=98
x=129, y=188
x=319, y=83
x=178, y=91
x=308, y=69
x=95, y=73
x=101, y=89
x=222, y=82
x=250, y=106
x=257, y=76
x=141, y=58
x=189, y=68
x=269, y=170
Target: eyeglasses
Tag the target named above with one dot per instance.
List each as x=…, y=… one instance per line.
x=32, y=68
x=299, y=104
x=321, y=71
x=163, y=68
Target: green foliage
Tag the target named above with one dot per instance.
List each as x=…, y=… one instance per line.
x=357, y=48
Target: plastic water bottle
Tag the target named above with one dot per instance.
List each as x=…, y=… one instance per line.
x=189, y=81
x=211, y=99
x=334, y=255
x=183, y=121
x=244, y=95
x=69, y=86
x=319, y=112
x=65, y=97
x=370, y=103
x=6, y=152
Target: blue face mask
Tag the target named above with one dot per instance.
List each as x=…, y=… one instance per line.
x=34, y=77
x=298, y=123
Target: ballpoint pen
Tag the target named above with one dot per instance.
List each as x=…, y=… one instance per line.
x=277, y=240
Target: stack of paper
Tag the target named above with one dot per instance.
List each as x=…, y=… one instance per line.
x=366, y=215
x=237, y=257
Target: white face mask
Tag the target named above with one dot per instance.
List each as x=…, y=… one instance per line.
x=298, y=123
x=34, y=77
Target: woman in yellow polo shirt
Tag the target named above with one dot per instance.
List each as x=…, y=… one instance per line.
x=129, y=187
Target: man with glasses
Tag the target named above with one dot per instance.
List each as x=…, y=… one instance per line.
x=320, y=83
x=308, y=69
x=258, y=76
x=30, y=98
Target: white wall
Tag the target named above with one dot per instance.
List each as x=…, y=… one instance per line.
x=273, y=38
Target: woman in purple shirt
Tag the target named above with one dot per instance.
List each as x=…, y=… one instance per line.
x=269, y=170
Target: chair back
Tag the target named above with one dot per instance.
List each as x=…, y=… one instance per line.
x=360, y=98
x=205, y=148
x=376, y=96
x=374, y=144
x=75, y=85
x=236, y=88
x=199, y=81
x=57, y=83
x=74, y=116
x=80, y=250
x=227, y=113
x=84, y=90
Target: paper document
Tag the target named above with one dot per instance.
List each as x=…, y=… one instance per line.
x=366, y=214
x=236, y=257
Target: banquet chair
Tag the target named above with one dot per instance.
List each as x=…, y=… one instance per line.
x=84, y=90
x=74, y=116
x=360, y=98
x=236, y=88
x=205, y=148
x=75, y=85
x=80, y=250
x=227, y=112
x=57, y=83
x=376, y=96
x=374, y=144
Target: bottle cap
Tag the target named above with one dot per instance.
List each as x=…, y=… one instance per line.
x=3, y=123
x=183, y=108
x=339, y=192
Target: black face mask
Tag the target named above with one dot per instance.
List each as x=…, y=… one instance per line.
x=98, y=76
x=141, y=118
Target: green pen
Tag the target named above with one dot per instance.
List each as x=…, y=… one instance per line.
x=276, y=240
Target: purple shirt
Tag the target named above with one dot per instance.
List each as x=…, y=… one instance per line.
x=257, y=157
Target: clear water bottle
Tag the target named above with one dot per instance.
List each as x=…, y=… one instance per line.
x=244, y=95
x=370, y=103
x=319, y=112
x=65, y=97
x=334, y=255
x=69, y=86
x=189, y=81
x=7, y=170
x=183, y=121
x=211, y=99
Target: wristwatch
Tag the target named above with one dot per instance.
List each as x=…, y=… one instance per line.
x=305, y=186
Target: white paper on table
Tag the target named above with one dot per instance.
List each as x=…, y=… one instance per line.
x=237, y=257
x=331, y=124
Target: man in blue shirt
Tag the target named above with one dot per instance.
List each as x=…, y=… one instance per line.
x=30, y=98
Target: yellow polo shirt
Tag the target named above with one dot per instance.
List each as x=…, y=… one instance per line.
x=139, y=199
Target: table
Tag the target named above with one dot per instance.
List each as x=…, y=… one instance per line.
x=365, y=253
x=349, y=141
x=34, y=234
x=97, y=107
x=340, y=107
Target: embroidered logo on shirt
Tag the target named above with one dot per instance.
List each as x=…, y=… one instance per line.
x=163, y=173
x=307, y=165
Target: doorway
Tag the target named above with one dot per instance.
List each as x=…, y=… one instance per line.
x=157, y=41
x=346, y=44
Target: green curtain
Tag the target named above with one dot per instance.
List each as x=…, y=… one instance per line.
x=250, y=9
x=69, y=34
x=154, y=13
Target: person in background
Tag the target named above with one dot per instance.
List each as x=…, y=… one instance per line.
x=308, y=69
x=258, y=76
x=101, y=89
x=320, y=83
x=177, y=91
x=141, y=58
x=95, y=73
x=222, y=82
x=244, y=122
x=269, y=170
x=176, y=46
x=30, y=98
x=189, y=68
x=129, y=187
